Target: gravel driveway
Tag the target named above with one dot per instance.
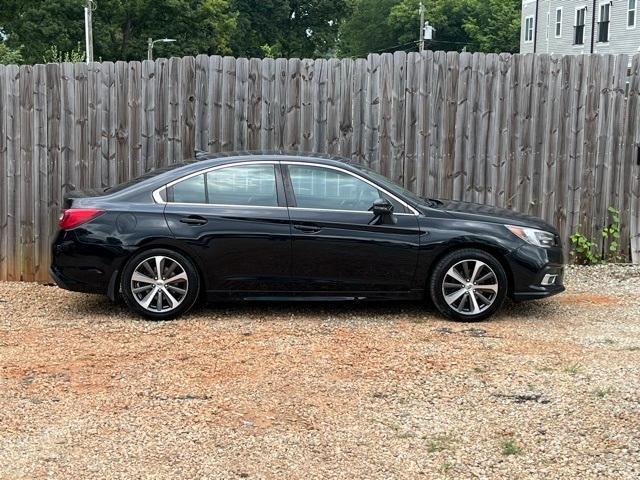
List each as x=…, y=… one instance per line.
x=546, y=390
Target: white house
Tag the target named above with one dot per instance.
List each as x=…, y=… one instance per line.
x=580, y=26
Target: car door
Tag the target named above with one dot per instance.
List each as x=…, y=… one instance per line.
x=337, y=243
x=234, y=218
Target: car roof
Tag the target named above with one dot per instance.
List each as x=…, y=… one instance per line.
x=251, y=154
x=204, y=160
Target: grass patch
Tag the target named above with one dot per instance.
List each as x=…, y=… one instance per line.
x=445, y=467
x=509, y=447
x=439, y=443
x=574, y=368
x=601, y=392
x=436, y=445
x=633, y=349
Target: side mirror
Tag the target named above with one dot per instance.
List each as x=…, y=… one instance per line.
x=381, y=208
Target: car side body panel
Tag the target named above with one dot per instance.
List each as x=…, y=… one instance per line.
x=344, y=251
x=239, y=248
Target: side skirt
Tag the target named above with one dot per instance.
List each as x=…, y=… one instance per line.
x=315, y=296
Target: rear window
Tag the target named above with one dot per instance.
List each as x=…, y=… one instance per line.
x=146, y=176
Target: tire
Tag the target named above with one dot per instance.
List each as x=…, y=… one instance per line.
x=476, y=298
x=147, y=294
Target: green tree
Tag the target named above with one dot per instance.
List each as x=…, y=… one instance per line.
x=474, y=25
x=495, y=25
x=260, y=24
x=121, y=27
x=367, y=29
x=37, y=25
x=290, y=28
x=9, y=56
x=446, y=16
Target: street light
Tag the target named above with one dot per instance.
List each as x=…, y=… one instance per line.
x=151, y=42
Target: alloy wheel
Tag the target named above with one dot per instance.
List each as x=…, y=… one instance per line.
x=470, y=287
x=159, y=284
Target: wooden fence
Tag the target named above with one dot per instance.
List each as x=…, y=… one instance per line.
x=547, y=135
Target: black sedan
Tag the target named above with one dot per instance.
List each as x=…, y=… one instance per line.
x=273, y=225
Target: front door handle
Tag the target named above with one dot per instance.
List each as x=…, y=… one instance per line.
x=194, y=220
x=307, y=228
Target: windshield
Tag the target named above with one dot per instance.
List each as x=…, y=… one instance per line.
x=389, y=185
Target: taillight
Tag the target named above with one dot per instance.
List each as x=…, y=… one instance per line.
x=74, y=217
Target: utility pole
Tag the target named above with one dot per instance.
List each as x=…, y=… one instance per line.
x=421, y=27
x=88, y=30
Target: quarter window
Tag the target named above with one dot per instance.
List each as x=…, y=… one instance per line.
x=327, y=189
x=631, y=14
x=191, y=190
x=244, y=185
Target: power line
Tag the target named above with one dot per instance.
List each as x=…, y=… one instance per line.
x=413, y=42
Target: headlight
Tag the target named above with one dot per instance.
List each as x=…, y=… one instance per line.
x=539, y=238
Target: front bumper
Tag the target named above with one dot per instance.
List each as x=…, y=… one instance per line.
x=530, y=265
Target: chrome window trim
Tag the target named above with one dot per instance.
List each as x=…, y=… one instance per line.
x=158, y=199
x=413, y=211
x=157, y=195
x=344, y=211
x=221, y=205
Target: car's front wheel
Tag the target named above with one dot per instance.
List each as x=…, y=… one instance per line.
x=160, y=284
x=468, y=285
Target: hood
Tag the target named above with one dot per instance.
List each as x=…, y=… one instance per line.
x=488, y=213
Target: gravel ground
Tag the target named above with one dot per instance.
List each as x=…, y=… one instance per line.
x=546, y=390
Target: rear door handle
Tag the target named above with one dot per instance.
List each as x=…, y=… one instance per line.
x=194, y=220
x=307, y=228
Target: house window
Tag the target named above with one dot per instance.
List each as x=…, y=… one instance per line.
x=603, y=24
x=631, y=14
x=558, y=22
x=546, y=30
x=578, y=35
x=528, y=29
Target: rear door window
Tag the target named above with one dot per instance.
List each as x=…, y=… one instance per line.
x=250, y=185
x=242, y=185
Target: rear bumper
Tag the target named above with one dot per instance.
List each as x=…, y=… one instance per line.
x=69, y=283
x=82, y=267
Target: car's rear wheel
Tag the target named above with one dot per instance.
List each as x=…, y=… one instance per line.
x=468, y=285
x=160, y=284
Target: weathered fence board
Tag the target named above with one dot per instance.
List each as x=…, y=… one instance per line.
x=39, y=173
x=14, y=179
x=547, y=135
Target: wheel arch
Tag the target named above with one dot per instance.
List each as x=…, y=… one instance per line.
x=114, y=282
x=493, y=250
